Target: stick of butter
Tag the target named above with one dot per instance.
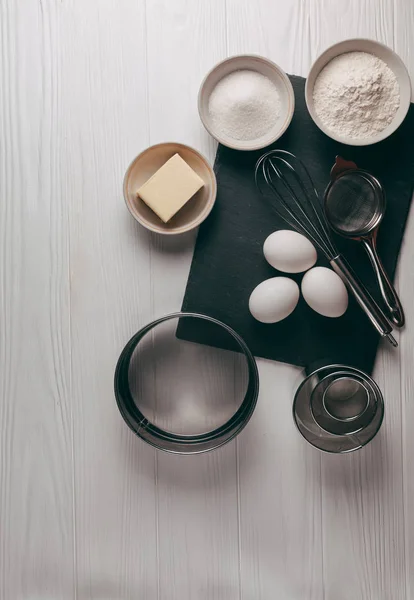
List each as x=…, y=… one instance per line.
x=170, y=187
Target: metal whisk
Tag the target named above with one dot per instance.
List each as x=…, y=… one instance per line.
x=281, y=176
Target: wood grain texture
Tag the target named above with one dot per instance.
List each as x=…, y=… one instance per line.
x=36, y=490
x=105, y=125
x=87, y=511
x=330, y=23
x=280, y=497
x=279, y=30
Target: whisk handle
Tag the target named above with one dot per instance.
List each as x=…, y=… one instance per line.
x=364, y=298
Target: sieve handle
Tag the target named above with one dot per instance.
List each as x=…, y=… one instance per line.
x=387, y=289
x=364, y=298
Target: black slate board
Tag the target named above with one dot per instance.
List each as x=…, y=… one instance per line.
x=228, y=261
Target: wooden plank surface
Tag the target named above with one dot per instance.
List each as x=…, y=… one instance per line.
x=87, y=511
x=105, y=121
x=36, y=462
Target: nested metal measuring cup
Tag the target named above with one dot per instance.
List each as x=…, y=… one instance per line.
x=355, y=206
x=338, y=408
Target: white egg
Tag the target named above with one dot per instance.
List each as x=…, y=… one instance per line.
x=289, y=251
x=325, y=292
x=274, y=299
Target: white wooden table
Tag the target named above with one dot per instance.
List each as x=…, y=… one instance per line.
x=87, y=511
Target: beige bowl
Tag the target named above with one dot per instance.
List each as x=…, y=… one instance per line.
x=193, y=212
x=381, y=51
x=265, y=67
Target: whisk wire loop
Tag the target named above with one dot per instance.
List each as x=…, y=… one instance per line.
x=313, y=231
x=299, y=203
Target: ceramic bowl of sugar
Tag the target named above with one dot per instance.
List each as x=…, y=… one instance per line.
x=246, y=102
x=358, y=92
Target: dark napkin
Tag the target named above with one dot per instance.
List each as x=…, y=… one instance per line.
x=228, y=260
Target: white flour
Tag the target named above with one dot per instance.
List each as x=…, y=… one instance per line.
x=244, y=105
x=356, y=95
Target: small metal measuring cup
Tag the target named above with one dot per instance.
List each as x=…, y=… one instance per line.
x=338, y=408
x=354, y=206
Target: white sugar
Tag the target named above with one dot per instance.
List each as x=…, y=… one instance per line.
x=244, y=105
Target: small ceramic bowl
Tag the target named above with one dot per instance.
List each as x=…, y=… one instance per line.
x=265, y=67
x=381, y=51
x=193, y=212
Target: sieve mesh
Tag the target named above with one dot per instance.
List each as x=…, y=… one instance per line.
x=353, y=204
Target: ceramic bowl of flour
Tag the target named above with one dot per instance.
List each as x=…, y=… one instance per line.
x=246, y=102
x=358, y=92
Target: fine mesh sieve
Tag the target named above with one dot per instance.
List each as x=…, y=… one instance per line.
x=354, y=207
x=354, y=204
